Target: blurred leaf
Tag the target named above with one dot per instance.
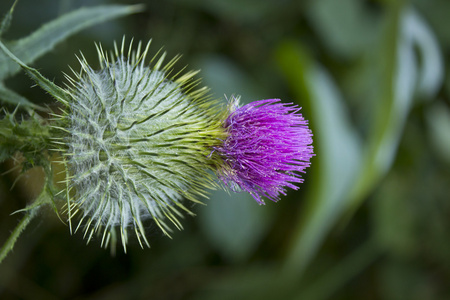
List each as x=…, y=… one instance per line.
x=11, y=97
x=419, y=35
x=438, y=119
x=336, y=146
x=45, y=38
x=234, y=223
x=394, y=231
x=344, y=270
x=6, y=21
x=436, y=13
x=237, y=10
x=342, y=180
x=397, y=89
x=244, y=283
x=225, y=78
x=345, y=26
x=402, y=280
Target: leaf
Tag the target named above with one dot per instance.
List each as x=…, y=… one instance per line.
x=234, y=224
x=337, y=276
x=337, y=148
x=346, y=26
x=224, y=77
x=347, y=178
x=43, y=82
x=395, y=100
x=6, y=22
x=11, y=97
x=396, y=232
x=243, y=282
x=247, y=11
x=419, y=35
x=41, y=41
x=438, y=120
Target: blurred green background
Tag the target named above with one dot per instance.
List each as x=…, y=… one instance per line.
x=371, y=221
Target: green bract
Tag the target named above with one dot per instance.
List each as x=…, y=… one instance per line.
x=136, y=142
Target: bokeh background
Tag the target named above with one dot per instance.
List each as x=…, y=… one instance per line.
x=371, y=221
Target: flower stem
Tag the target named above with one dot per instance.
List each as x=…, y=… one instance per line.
x=8, y=246
x=30, y=212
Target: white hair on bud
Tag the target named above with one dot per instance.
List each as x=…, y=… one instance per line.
x=137, y=143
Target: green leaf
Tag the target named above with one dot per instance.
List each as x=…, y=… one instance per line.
x=419, y=34
x=438, y=119
x=337, y=148
x=346, y=26
x=399, y=80
x=234, y=224
x=11, y=97
x=223, y=76
x=396, y=232
x=6, y=22
x=243, y=282
x=247, y=11
x=43, y=82
x=45, y=38
x=339, y=275
x=345, y=178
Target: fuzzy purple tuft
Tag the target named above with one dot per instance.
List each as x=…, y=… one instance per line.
x=268, y=145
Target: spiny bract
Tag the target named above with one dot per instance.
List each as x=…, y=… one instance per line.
x=136, y=141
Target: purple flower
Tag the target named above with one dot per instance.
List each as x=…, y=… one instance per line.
x=268, y=145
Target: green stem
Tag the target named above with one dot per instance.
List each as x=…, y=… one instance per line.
x=30, y=212
x=8, y=246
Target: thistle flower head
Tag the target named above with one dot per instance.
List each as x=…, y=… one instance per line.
x=268, y=145
x=136, y=140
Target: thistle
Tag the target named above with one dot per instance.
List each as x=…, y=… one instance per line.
x=135, y=140
x=268, y=144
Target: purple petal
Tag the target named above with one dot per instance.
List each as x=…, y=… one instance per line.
x=268, y=145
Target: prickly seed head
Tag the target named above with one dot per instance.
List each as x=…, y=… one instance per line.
x=138, y=143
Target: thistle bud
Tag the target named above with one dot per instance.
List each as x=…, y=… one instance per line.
x=136, y=142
